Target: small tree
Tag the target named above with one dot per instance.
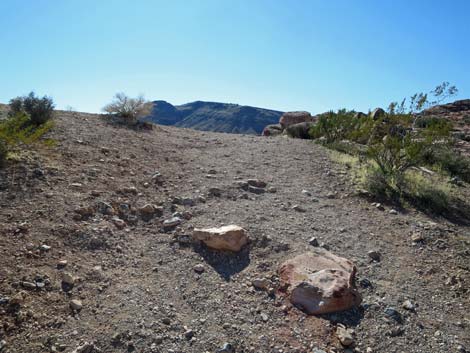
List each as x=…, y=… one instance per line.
x=130, y=109
x=40, y=110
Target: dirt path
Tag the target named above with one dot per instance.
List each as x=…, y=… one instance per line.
x=138, y=286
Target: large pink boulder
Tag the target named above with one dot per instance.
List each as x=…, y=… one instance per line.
x=231, y=238
x=320, y=282
x=291, y=118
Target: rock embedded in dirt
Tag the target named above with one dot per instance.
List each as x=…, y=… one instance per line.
x=320, y=282
x=345, y=335
x=256, y=183
x=313, y=242
x=298, y=208
x=260, y=283
x=119, y=223
x=408, y=305
x=68, y=279
x=172, y=222
x=231, y=237
x=374, y=255
x=76, y=304
x=199, y=268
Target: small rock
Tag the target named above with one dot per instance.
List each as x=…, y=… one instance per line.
x=226, y=348
x=379, y=207
x=374, y=255
x=393, y=313
x=76, y=304
x=28, y=285
x=172, y=222
x=306, y=193
x=408, y=305
x=264, y=317
x=392, y=211
x=272, y=190
x=215, y=191
x=298, y=208
x=345, y=336
x=62, y=264
x=68, y=279
x=44, y=247
x=189, y=334
x=313, y=242
x=199, y=268
x=260, y=283
x=230, y=237
x=119, y=223
x=256, y=183
x=3, y=344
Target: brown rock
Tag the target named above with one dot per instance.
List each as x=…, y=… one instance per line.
x=291, y=118
x=231, y=237
x=320, y=282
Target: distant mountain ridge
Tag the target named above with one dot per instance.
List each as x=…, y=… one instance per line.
x=214, y=116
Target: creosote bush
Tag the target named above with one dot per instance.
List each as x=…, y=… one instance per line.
x=40, y=110
x=391, y=147
x=129, y=109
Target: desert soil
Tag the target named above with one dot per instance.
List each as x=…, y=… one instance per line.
x=138, y=286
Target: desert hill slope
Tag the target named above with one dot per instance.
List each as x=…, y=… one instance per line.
x=137, y=282
x=213, y=116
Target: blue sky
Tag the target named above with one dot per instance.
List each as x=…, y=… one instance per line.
x=310, y=55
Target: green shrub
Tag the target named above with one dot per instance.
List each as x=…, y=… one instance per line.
x=445, y=159
x=3, y=152
x=40, y=110
x=18, y=130
x=334, y=126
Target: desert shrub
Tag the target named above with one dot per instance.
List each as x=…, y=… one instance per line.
x=3, y=152
x=19, y=130
x=334, y=126
x=40, y=110
x=129, y=109
x=445, y=159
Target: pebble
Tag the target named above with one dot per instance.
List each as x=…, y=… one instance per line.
x=345, y=336
x=264, y=317
x=172, y=222
x=199, y=268
x=68, y=279
x=374, y=255
x=298, y=208
x=393, y=313
x=62, y=264
x=44, y=247
x=226, y=348
x=313, y=242
x=260, y=283
x=408, y=305
x=306, y=193
x=76, y=304
x=392, y=211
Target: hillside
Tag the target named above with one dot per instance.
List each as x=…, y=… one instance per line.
x=211, y=116
x=80, y=267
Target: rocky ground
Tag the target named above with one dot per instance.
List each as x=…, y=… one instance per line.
x=74, y=277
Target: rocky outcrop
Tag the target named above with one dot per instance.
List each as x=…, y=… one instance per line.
x=300, y=130
x=377, y=113
x=291, y=118
x=231, y=238
x=272, y=130
x=320, y=282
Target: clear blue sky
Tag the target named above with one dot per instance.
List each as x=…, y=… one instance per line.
x=310, y=55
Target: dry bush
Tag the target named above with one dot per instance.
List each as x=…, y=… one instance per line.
x=129, y=109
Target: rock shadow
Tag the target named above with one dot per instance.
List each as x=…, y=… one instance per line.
x=349, y=318
x=225, y=263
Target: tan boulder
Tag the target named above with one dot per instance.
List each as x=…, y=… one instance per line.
x=231, y=237
x=320, y=282
x=291, y=118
